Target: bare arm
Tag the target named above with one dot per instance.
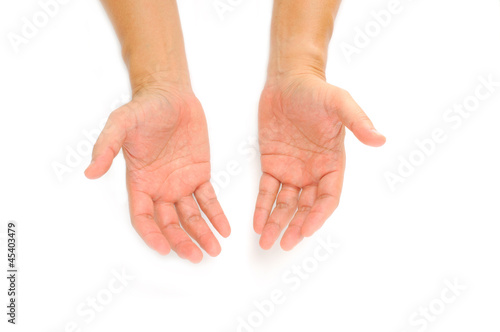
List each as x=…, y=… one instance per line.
x=151, y=37
x=302, y=122
x=163, y=135
x=300, y=34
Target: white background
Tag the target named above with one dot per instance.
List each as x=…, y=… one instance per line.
x=397, y=248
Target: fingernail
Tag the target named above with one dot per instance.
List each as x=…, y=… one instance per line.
x=376, y=132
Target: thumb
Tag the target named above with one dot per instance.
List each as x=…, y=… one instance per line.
x=354, y=118
x=108, y=145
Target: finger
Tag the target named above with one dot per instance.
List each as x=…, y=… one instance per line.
x=108, y=145
x=206, y=198
x=286, y=204
x=142, y=215
x=329, y=189
x=268, y=189
x=354, y=118
x=180, y=242
x=195, y=226
x=293, y=233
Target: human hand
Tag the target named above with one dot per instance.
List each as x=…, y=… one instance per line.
x=163, y=134
x=301, y=137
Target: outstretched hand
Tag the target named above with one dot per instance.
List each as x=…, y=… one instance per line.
x=163, y=134
x=302, y=122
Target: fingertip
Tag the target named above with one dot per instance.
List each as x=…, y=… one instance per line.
x=291, y=238
x=269, y=236
x=88, y=170
x=91, y=174
x=286, y=244
x=226, y=232
x=224, y=229
x=87, y=173
x=158, y=243
x=370, y=137
x=190, y=252
x=378, y=139
x=210, y=245
x=196, y=258
x=97, y=168
x=265, y=244
x=215, y=249
x=163, y=250
x=257, y=229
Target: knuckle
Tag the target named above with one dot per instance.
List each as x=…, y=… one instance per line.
x=168, y=227
x=194, y=219
x=264, y=193
x=282, y=205
x=304, y=208
x=210, y=201
x=217, y=215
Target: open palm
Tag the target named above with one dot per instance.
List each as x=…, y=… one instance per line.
x=301, y=137
x=165, y=144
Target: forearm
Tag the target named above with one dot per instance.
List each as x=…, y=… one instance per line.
x=300, y=33
x=151, y=37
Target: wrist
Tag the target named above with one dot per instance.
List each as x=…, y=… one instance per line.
x=289, y=62
x=159, y=80
x=147, y=72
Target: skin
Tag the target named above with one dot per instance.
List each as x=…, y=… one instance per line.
x=163, y=131
x=163, y=135
x=302, y=122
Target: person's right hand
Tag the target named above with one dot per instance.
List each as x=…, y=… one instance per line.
x=163, y=134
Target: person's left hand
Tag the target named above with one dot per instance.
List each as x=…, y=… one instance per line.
x=301, y=137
